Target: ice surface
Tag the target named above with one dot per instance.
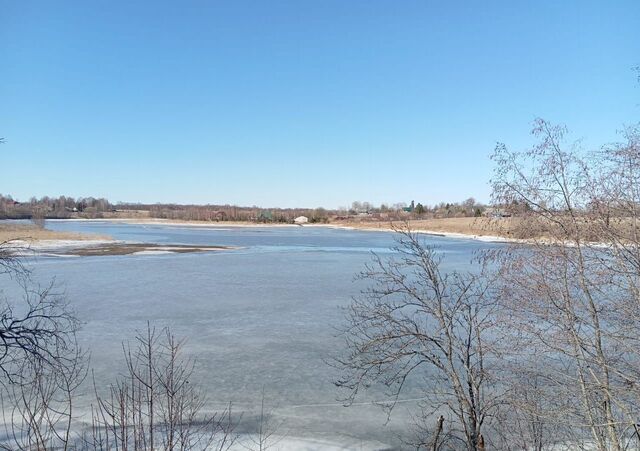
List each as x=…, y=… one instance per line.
x=264, y=317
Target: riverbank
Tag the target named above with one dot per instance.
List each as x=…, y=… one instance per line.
x=32, y=235
x=28, y=239
x=484, y=229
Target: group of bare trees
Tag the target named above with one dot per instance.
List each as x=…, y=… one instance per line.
x=41, y=364
x=414, y=319
x=45, y=384
x=402, y=211
x=155, y=405
x=573, y=292
x=48, y=207
x=229, y=213
x=538, y=347
x=64, y=207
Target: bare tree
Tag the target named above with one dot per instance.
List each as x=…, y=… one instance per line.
x=38, y=411
x=414, y=322
x=42, y=327
x=41, y=364
x=38, y=217
x=268, y=431
x=10, y=262
x=570, y=294
x=155, y=405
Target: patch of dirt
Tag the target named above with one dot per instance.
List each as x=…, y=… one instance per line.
x=135, y=248
x=31, y=233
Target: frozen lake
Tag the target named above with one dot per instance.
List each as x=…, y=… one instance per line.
x=264, y=316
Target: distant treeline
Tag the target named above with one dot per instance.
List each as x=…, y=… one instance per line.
x=54, y=208
x=227, y=212
x=65, y=207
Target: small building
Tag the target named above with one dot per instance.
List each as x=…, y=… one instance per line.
x=410, y=208
x=301, y=220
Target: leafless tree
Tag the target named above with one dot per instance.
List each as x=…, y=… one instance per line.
x=10, y=261
x=41, y=327
x=155, y=405
x=41, y=364
x=415, y=323
x=268, y=431
x=38, y=411
x=570, y=293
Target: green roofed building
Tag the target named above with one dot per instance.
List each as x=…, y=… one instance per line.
x=410, y=208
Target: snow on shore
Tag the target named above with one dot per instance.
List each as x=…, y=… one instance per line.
x=285, y=443
x=51, y=245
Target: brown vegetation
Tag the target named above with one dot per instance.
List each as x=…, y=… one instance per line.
x=32, y=233
x=502, y=227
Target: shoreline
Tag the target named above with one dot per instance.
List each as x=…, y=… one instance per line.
x=96, y=248
x=446, y=228
x=347, y=226
x=438, y=233
x=417, y=226
x=26, y=240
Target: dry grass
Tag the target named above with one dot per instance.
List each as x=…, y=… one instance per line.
x=31, y=233
x=502, y=227
x=523, y=228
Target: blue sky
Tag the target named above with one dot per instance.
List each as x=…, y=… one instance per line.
x=299, y=103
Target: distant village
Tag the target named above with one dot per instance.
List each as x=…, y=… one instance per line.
x=94, y=208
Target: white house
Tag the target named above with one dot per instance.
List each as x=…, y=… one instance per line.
x=301, y=220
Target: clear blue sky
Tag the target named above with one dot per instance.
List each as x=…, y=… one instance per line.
x=301, y=102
